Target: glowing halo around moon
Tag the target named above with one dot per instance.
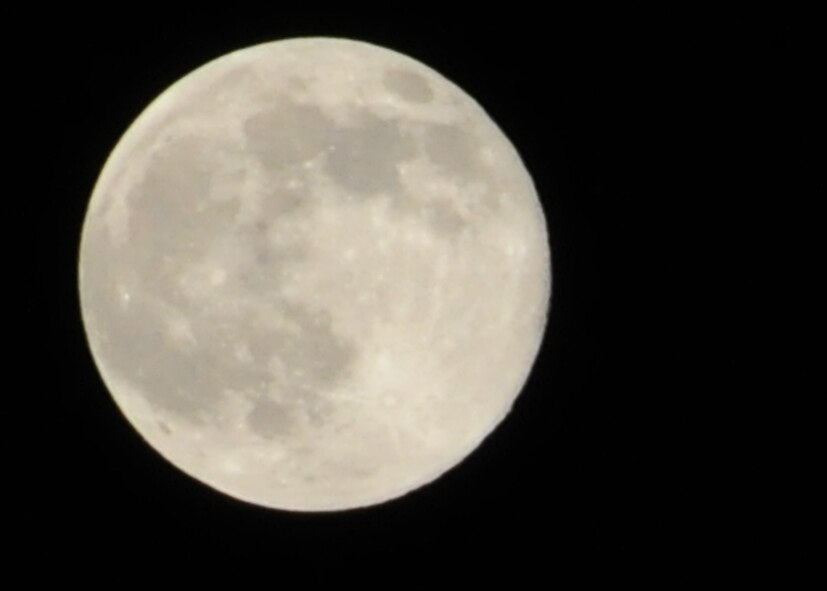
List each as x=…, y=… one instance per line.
x=314, y=274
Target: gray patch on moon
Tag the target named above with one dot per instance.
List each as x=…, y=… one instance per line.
x=172, y=223
x=365, y=158
x=269, y=418
x=261, y=270
x=316, y=357
x=444, y=220
x=282, y=201
x=174, y=227
x=185, y=382
x=438, y=213
x=361, y=158
x=192, y=382
x=408, y=85
x=311, y=359
x=453, y=150
x=288, y=133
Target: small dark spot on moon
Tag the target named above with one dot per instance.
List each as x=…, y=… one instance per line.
x=286, y=201
x=296, y=84
x=164, y=428
x=262, y=257
x=444, y=219
x=453, y=150
x=408, y=85
x=269, y=418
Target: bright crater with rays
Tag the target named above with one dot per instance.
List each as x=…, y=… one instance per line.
x=314, y=274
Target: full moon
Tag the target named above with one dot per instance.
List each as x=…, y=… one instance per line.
x=314, y=274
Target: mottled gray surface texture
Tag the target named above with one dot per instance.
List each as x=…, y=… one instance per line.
x=314, y=274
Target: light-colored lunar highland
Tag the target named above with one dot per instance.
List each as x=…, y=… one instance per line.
x=314, y=274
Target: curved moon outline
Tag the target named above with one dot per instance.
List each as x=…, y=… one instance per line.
x=314, y=274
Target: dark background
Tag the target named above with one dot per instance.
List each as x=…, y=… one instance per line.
x=634, y=127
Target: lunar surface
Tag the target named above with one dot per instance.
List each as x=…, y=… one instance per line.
x=314, y=274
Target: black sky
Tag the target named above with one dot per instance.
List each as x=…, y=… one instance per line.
x=631, y=125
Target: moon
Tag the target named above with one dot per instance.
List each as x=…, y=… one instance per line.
x=314, y=274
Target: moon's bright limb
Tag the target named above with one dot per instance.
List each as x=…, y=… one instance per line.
x=314, y=274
